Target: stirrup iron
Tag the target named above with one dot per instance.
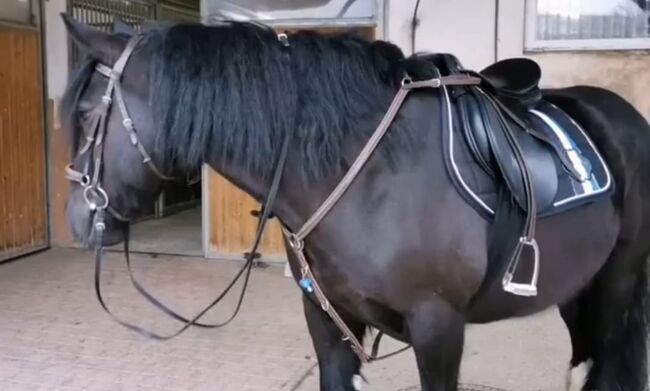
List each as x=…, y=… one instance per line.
x=522, y=289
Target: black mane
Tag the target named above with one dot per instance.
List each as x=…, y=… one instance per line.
x=234, y=91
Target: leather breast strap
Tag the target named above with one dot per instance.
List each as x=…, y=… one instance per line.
x=297, y=240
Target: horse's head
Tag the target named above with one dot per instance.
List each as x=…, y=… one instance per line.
x=116, y=172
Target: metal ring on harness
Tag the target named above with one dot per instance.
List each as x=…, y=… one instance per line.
x=85, y=180
x=296, y=243
x=94, y=193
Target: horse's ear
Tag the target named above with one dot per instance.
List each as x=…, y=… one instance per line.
x=121, y=27
x=149, y=24
x=99, y=45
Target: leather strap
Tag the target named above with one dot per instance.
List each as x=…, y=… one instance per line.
x=371, y=145
x=99, y=202
x=296, y=240
x=244, y=271
x=437, y=82
x=527, y=237
x=564, y=158
x=354, y=169
x=91, y=182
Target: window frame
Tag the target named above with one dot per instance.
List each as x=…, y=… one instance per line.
x=532, y=44
x=378, y=21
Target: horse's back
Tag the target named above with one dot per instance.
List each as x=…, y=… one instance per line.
x=622, y=135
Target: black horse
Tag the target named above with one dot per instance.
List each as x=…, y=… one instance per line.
x=401, y=251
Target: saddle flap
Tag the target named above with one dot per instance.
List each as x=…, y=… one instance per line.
x=485, y=125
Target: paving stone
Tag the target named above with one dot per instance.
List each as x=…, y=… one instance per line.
x=54, y=335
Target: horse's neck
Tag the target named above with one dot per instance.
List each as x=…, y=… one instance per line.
x=297, y=200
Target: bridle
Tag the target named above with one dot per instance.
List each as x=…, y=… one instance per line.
x=93, y=193
x=98, y=202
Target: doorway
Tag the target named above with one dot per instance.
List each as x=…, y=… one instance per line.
x=23, y=194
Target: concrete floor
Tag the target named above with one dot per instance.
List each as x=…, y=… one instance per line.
x=54, y=336
x=176, y=234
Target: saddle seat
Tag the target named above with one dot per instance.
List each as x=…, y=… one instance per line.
x=509, y=100
x=515, y=79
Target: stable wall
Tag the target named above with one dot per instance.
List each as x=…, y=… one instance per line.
x=465, y=28
x=59, y=154
x=625, y=72
x=481, y=32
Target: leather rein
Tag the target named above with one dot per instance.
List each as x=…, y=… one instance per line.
x=98, y=202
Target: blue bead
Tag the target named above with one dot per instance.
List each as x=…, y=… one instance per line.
x=307, y=285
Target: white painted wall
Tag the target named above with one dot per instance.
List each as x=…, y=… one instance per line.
x=625, y=72
x=465, y=28
x=56, y=42
x=510, y=29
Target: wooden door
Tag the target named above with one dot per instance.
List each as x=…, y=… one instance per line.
x=231, y=228
x=23, y=214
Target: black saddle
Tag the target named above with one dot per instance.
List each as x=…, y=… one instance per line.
x=500, y=123
x=515, y=79
x=496, y=126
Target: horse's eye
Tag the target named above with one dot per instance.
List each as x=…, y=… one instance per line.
x=84, y=114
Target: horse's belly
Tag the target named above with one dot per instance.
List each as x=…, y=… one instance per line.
x=573, y=247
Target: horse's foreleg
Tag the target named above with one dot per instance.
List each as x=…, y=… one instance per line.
x=437, y=333
x=338, y=364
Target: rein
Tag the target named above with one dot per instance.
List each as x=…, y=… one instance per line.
x=244, y=271
x=98, y=201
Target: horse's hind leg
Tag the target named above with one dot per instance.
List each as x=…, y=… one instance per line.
x=608, y=327
x=437, y=333
x=338, y=365
x=580, y=322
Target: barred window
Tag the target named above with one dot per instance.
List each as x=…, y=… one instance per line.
x=588, y=24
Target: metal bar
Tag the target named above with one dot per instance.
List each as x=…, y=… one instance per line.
x=316, y=22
